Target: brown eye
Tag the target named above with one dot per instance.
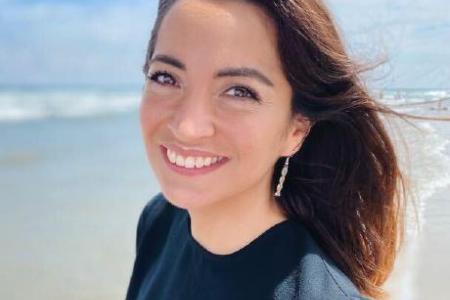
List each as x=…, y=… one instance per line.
x=244, y=92
x=162, y=77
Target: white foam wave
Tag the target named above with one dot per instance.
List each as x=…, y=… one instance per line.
x=430, y=165
x=399, y=97
x=437, y=93
x=30, y=105
x=426, y=164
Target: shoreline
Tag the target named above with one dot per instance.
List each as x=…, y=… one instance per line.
x=419, y=273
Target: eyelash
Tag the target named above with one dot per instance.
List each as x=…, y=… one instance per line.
x=252, y=93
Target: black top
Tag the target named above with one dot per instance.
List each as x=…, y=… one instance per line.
x=283, y=263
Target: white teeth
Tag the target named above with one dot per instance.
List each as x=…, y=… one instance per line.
x=191, y=162
x=199, y=162
x=207, y=161
x=180, y=161
x=172, y=156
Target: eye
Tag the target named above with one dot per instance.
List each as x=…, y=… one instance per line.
x=244, y=92
x=162, y=77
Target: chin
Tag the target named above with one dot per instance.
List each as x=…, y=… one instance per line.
x=185, y=200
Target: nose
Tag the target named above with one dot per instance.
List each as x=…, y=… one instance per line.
x=192, y=119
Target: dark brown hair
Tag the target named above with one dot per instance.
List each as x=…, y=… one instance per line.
x=344, y=183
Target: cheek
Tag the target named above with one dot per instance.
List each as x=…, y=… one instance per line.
x=256, y=139
x=150, y=113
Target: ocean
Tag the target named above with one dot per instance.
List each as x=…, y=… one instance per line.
x=74, y=178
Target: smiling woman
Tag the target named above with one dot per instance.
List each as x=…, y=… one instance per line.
x=237, y=93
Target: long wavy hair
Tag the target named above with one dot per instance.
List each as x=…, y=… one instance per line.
x=345, y=182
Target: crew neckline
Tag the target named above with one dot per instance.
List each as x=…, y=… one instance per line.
x=238, y=253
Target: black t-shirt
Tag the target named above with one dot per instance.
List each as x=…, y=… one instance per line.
x=283, y=263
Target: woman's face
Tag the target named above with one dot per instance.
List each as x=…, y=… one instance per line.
x=215, y=84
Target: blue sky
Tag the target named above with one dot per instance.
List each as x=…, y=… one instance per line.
x=103, y=42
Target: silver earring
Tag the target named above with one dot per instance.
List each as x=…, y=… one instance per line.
x=282, y=177
x=284, y=171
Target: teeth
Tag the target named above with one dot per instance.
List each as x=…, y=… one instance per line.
x=199, y=162
x=191, y=162
x=180, y=161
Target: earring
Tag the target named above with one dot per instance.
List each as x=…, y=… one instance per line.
x=282, y=177
x=286, y=165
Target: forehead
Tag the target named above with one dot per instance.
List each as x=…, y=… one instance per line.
x=228, y=32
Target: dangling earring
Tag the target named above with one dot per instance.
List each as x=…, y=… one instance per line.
x=282, y=177
x=284, y=171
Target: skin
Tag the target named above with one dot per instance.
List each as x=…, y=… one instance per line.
x=232, y=205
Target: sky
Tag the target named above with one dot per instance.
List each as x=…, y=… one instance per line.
x=99, y=42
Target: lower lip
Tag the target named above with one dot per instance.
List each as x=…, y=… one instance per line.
x=193, y=171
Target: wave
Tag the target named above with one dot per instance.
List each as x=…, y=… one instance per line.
x=424, y=158
x=30, y=104
x=41, y=104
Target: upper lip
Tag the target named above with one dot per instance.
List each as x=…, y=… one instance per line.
x=187, y=151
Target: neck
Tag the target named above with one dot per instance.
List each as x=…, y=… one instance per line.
x=228, y=225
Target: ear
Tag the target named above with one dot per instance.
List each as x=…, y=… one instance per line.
x=298, y=130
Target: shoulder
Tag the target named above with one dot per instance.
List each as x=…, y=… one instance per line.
x=155, y=207
x=156, y=216
x=316, y=275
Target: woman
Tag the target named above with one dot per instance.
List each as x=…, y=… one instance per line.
x=278, y=178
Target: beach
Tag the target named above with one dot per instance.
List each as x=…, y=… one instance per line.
x=74, y=179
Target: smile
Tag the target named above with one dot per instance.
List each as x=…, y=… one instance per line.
x=191, y=162
x=191, y=165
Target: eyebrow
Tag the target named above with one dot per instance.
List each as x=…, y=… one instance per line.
x=227, y=72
